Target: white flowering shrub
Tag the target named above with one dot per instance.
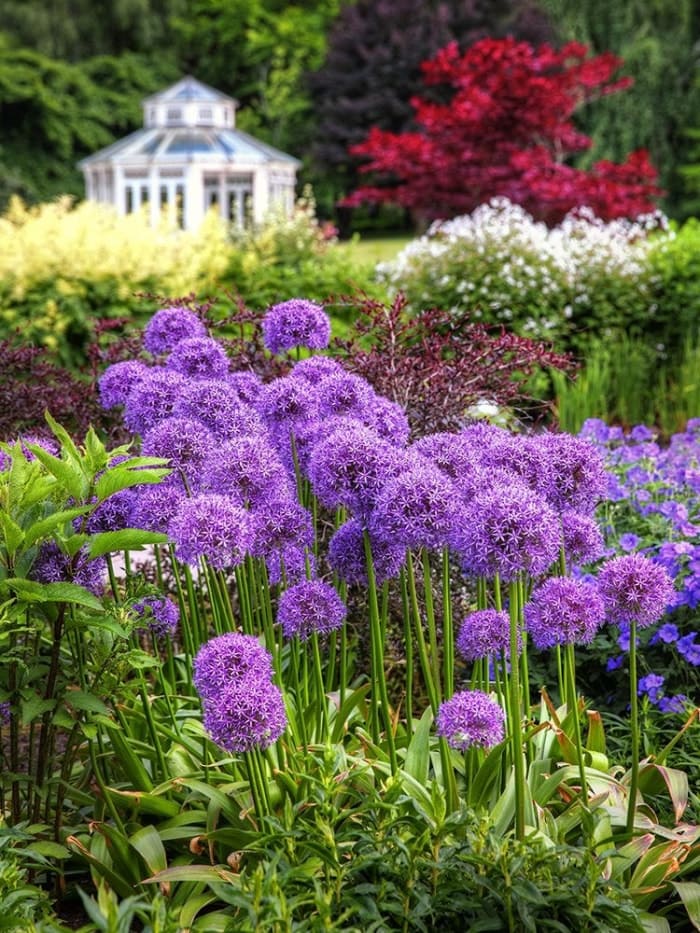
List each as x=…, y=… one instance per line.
x=565, y=284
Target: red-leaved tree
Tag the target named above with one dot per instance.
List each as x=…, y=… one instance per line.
x=508, y=131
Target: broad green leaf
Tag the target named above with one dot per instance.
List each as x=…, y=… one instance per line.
x=418, y=751
x=31, y=592
x=62, y=436
x=69, y=476
x=121, y=477
x=85, y=701
x=123, y=887
x=652, y=776
x=128, y=539
x=144, y=802
x=595, y=742
x=34, y=707
x=49, y=849
x=689, y=893
x=150, y=847
x=211, y=874
x=47, y=525
x=653, y=923
x=12, y=533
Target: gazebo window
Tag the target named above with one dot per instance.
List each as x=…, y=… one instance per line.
x=129, y=199
x=206, y=115
x=173, y=115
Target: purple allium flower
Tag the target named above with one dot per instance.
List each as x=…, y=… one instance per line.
x=51, y=565
x=247, y=469
x=454, y=454
x=350, y=465
x=308, y=607
x=184, y=442
x=152, y=399
x=296, y=323
x=346, y=554
x=651, y=685
x=169, y=326
x=507, y=529
x=522, y=456
x=154, y=506
x=576, y=477
x=635, y=588
x=217, y=404
x=5, y=461
x=213, y=527
x=113, y=513
x=484, y=632
x=199, y=358
x=417, y=507
x=583, y=541
x=117, y=380
x=228, y=659
x=247, y=714
x=469, y=718
x=315, y=368
x=160, y=614
x=5, y=713
x=564, y=611
x=246, y=385
x=389, y=421
x=279, y=523
x=344, y=394
x=287, y=402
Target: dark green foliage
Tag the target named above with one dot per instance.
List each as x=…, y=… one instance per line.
x=658, y=43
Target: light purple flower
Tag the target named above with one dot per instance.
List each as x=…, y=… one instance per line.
x=247, y=469
x=199, y=358
x=246, y=385
x=154, y=506
x=469, y=718
x=454, y=454
x=160, y=614
x=113, y=514
x=184, y=442
x=169, y=326
x=674, y=704
x=245, y=715
x=484, y=632
x=575, y=478
x=287, y=402
x=279, y=523
x=152, y=399
x=389, y=421
x=51, y=565
x=117, y=380
x=651, y=685
x=227, y=659
x=315, y=368
x=583, y=540
x=308, y=607
x=213, y=527
x=217, y=404
x=563, y=611
x=39, y=440
x=344, y=394
x=296, y=323
x=346, y=554
x=506, y=530
x=417, y=507
x=635, y=588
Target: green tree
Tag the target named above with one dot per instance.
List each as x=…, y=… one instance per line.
x=659, y=41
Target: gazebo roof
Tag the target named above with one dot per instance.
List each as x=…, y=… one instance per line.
x=185, y=143
x=188, y=89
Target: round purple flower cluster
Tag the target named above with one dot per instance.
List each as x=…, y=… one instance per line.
x=160, y=614
x=51, y=565
x=199, y=358
x=469, y=718
x=346, y=553
x=168, y=327
x=211, y=526
x=243, y=709
x=296, y=323
x=183, y=442
x=484, y=632
x=117, y=381
x=564, y=611
x=417, y=507
x=634, y=588
x=308, y=607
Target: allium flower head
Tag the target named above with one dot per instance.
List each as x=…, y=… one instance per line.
x=113, y=514
x=152, y=399
x=247, y=469
x=484, y=632
x=308, y=607
x=183, y=442
x=635, y=588
x=287, y=402
x=583, y=540
x=315, y=368
x=117, y=380
x=217, y=404
x=279, y=523
x=46, y=443
x=576, y=477
x=350, y=465
x=564, y=611
x=346, y=554
x=296, y=323
x=51, y=565
x=169, y=326
x=389, y=421
x=246, y=385
x=160, y=614
x=199, y=358
x=507, y=529
x=246, y=714
x=210, y=526
x=469, y=718
x=226, y=660
x=454, y=454
x=417, y=507
x=154, y=506
x=344, y=393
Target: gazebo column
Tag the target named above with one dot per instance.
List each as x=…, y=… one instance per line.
x=119, y=190
x=194, y=197
x=223, y=200
x=153, y=196
x=261, y=194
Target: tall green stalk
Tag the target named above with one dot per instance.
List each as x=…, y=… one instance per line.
x=516, y=726
x=634, y=727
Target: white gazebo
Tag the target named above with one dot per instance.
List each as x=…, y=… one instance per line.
x=190, y=157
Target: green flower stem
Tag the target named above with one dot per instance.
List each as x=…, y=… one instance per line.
x=408, y=650
x=377, y=656
x=571, y=665
x=430, y=619
x=448, y=640
x=420, y=638
x=321, y=698
x=245, y=606
x=634, y=728
x=516, y=712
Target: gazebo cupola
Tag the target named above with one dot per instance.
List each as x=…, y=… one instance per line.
x=190, y=157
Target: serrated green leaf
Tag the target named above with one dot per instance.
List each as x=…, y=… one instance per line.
x=31, y=592
x=12, y=533
x=33, y=707
x=69, y=476
x=49, y=524
x=121, y=477
x=128, y=539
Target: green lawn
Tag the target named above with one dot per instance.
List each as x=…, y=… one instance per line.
x=371, y=249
